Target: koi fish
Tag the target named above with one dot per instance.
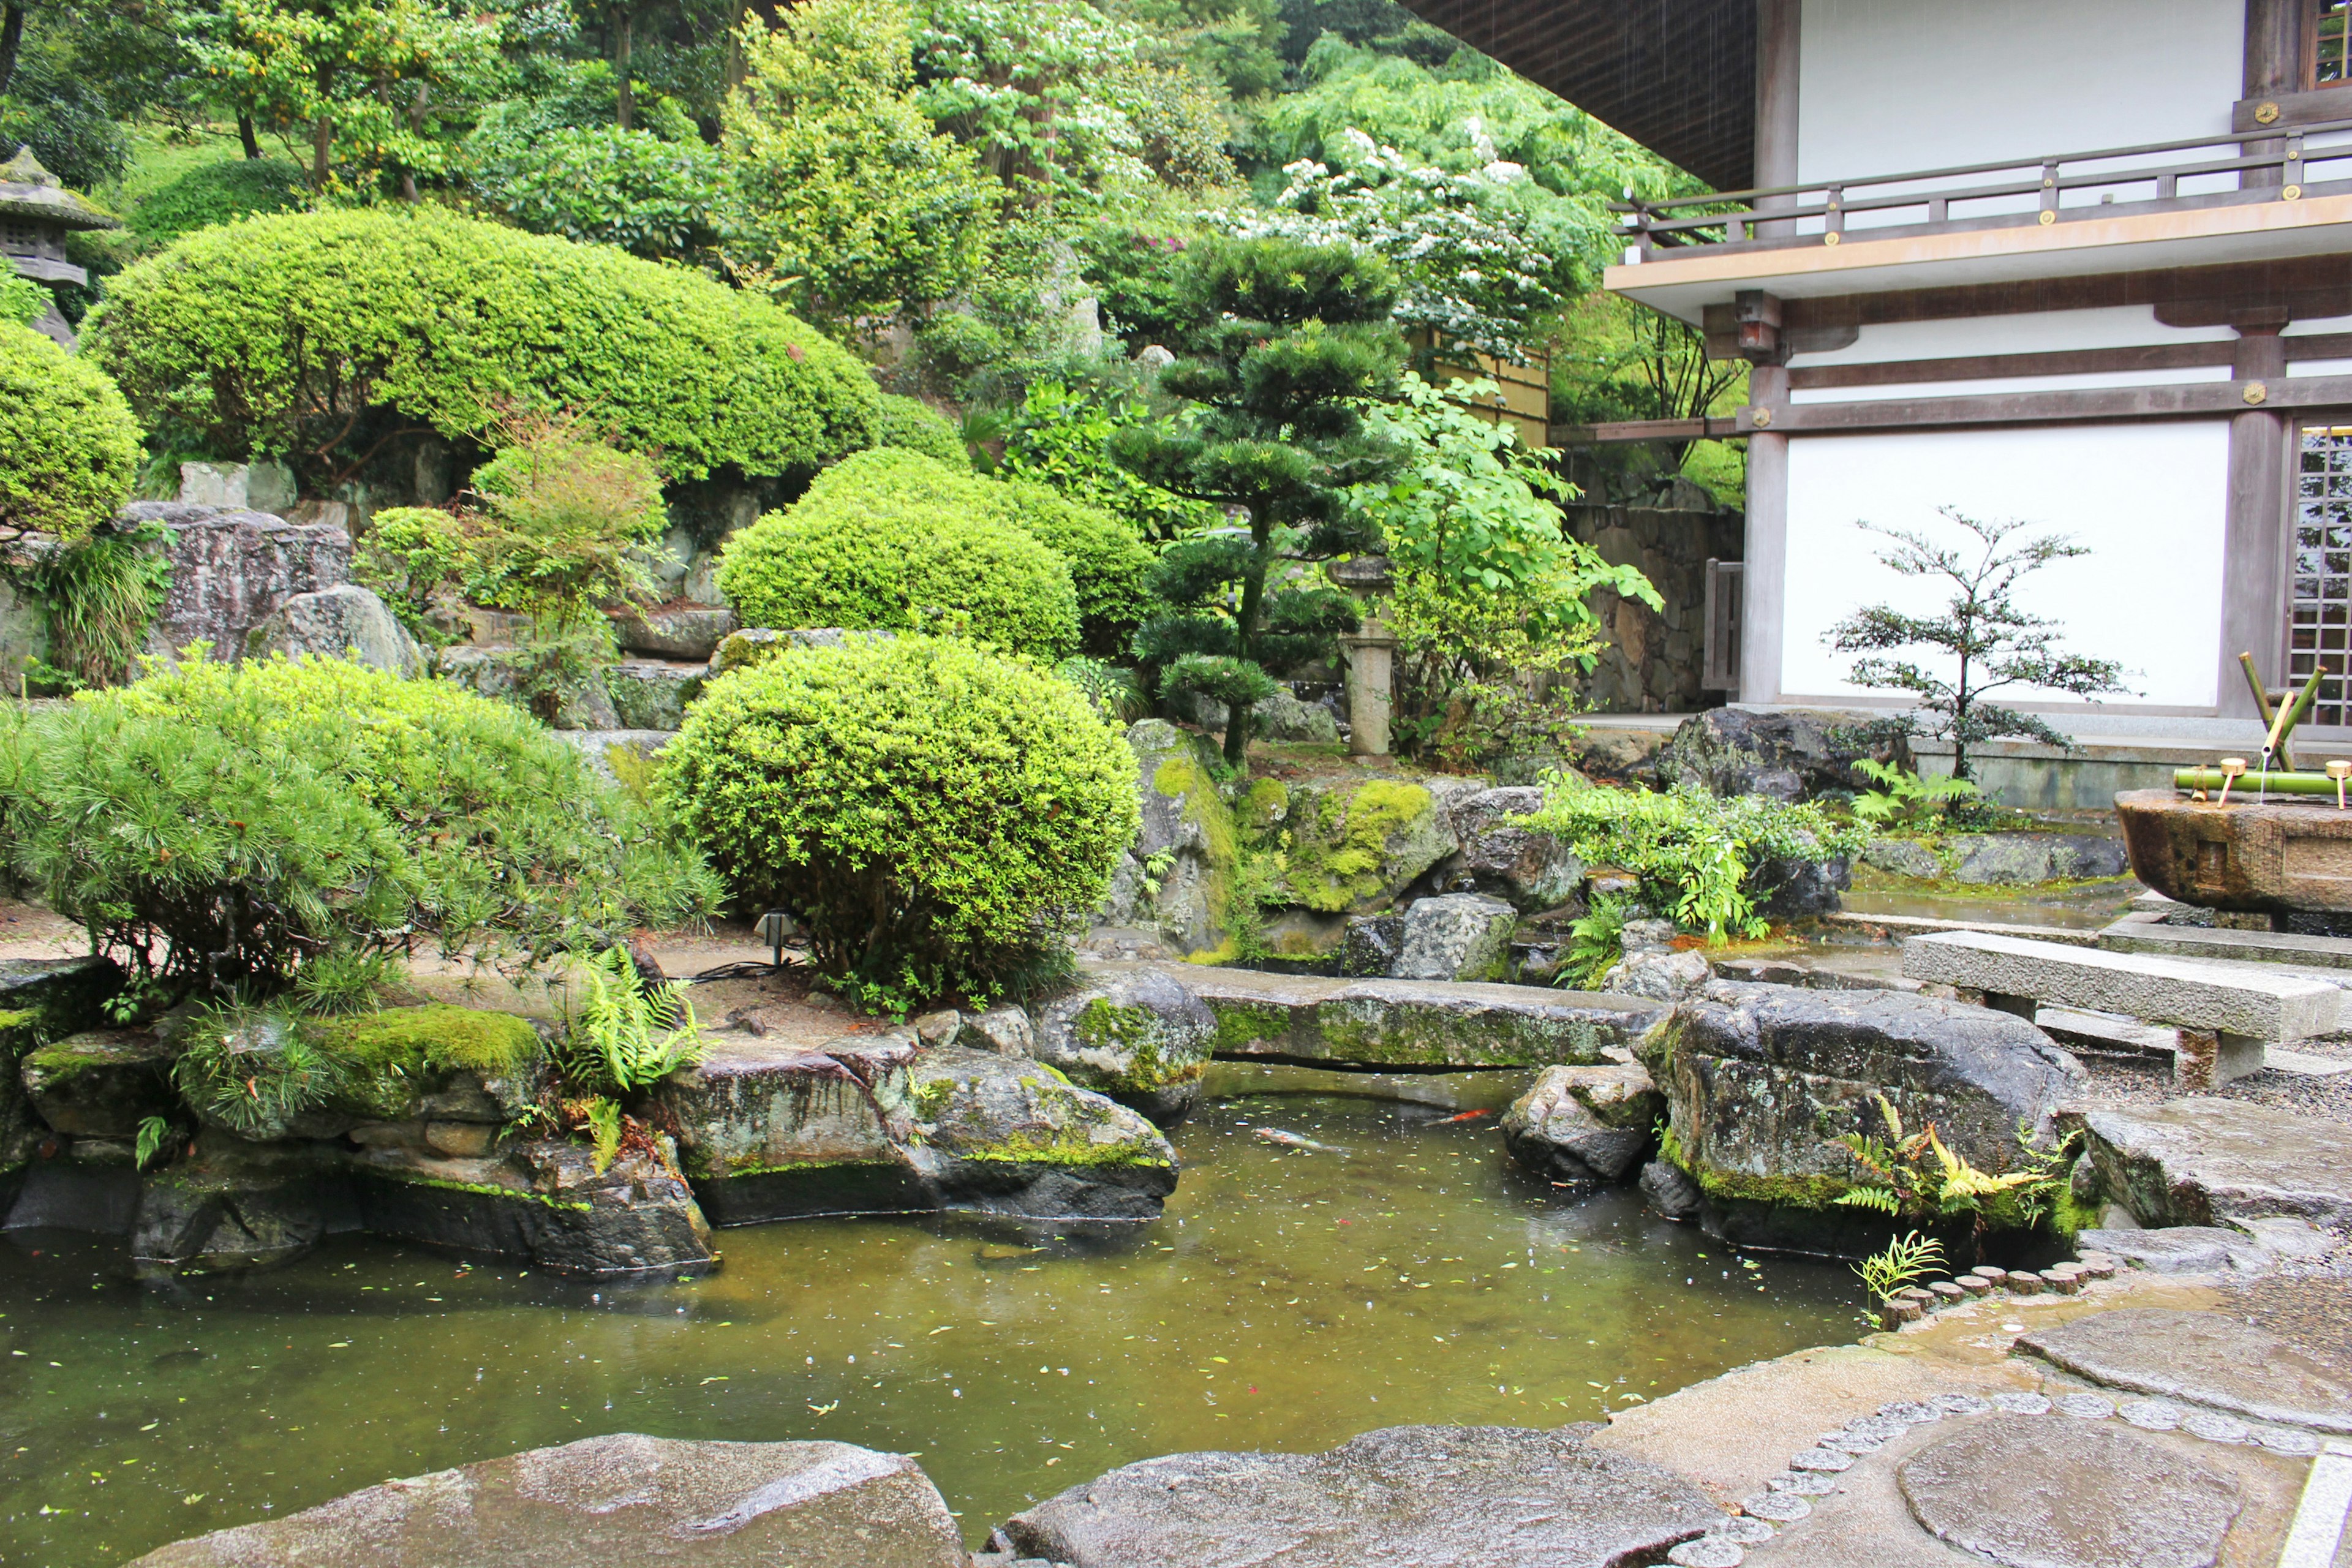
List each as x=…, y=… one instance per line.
x=1293, y=1140
x=1466, y=1116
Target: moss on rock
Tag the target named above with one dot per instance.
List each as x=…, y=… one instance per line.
x=1352, y=850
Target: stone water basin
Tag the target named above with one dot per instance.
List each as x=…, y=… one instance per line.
x=1289, y=1300
x=2247, y=857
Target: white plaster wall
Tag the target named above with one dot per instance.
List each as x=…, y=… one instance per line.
x=1986, y=387
x=1887, y=86
x=2037, y=332
x=2147, y=498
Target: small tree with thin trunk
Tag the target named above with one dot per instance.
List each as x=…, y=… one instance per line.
x=1282, y=343
x=1990, y=642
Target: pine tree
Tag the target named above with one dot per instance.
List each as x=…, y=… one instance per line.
x=1281, y=343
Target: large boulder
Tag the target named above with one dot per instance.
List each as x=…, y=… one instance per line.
x=1411, y=1023
x=1533, y=871
x=1138, y=1036
x=101, y=1083
x=1282, y=718
x=239, y=1205
x=1584, y=1124
x=40, y=999
x=620, y=1500
x=2205, y=1160
x=1178, y=879
x=1459, y=1495
x=652, y=694
x=2016, y=859
x=1761, y=1080
x=1794, y=755
x=231, y=569
x=543, y=1199
x=497, y=673
x=1008, y=1136
x=343, y=622
x=689, y=632
x=1355, y=845
x=1456, y=936
x=755, y=645
x=770, y=1131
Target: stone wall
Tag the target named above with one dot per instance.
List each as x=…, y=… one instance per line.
x=1654, y=657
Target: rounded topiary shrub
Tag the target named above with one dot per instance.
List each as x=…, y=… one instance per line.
x=913, y=425
x=888, y=540
x=260, y=337
x=69, y=445
x=935, y=816
x=228, y=826
x=1108, y=564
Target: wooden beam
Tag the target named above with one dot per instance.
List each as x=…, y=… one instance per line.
x=1643, y=430
x=2291, y=108
x=2304, y=288
x=2194, y=400
x=2057, y=362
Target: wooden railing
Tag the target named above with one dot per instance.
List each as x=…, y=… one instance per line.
x=2271, y=169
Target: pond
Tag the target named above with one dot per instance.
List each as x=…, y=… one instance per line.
x=1407, y=1271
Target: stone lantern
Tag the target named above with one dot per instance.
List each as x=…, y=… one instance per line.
x=36, y=213
x=1371, y=651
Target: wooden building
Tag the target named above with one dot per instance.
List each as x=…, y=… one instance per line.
x=2085, y=264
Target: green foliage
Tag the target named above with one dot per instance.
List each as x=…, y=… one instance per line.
x=436, y=1038
x=844, y=198
x=1614, y=360
x=406, y=553
x=1694, y=853
x=1595, y=944
x=1907, y=802
x=914, y=425
x=152, y=1130
x=223, y=827
x=253, y=1070
x=1061, y=439
x=1915, y=1177
x=296, y=335
x=627, y=1036
x=219, y=193
x=1981, y=642
x=1133, y=267
x=69, y=445
x=935, y=816
x=53, y=106
x=1490, y=589
x=1283, y=345
x=22, y=301
x=341, y=980
x=602, y=186
x=1906, y=1260
x=603, y=1116
x=1115, y=693
x=99, y=594
x=563, y=525
x=892, y=540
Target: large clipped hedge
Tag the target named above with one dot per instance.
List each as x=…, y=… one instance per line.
x=225, y=825
x=911, y=423
x=935, y=814
x=68, y=446
x=262, y=336
x=889, y=540
x=1108, y=564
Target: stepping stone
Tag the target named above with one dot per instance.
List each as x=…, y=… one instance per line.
x=1879, y=1426
x=1974, y=1284
x=1851, y=1442
x=2187, y=1249
x=1990, y=1273
x=1946, y=1292
x=1405, y=1494
x=1780, y=1508
x=1707, y=1551
x=1911, y=1413
x=1828, y=1461
x=2200, y=1357
x=1959, y=1404
x=2026, y=1494
x=2203, y=1161
x=2215, y=1428
x=2022, y=1404
x=2084, y=1407
x=1805, y=1483
x=1746, y=1531
x=2287, y=1442
x=2150, y=1414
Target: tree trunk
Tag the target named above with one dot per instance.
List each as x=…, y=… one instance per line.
x=245, y=135
x=12, y=33
x=322, y=140
x=628, y=98
x=1245, y=634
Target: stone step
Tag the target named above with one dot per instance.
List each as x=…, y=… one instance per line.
x=2246, y=1000
x=1326, y=1022
x=2137, y=933
x=2202, y=1161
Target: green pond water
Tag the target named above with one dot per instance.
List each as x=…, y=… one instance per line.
x=1288, y=1300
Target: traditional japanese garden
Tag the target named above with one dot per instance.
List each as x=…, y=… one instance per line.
x=823, y=784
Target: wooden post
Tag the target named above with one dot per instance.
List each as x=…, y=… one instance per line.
x=1775, y=163
x=2274, y=65
x=2257, y=531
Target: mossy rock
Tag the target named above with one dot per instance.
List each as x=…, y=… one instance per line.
x=101, y=1083
x=399, y=1055
x=1354, y=848
x=1140, y=1038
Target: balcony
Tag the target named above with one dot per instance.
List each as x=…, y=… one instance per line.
x=2240, y=196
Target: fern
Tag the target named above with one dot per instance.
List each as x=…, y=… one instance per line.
x=1882, y=1199
x=152, y=1130
x=1906, y=1260
x=604, y=1126
x=1595, y=943
x=628, y=1035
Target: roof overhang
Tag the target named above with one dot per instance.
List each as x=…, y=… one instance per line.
x=1677, y=75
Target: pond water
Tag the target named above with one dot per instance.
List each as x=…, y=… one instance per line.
x=1290, y=1299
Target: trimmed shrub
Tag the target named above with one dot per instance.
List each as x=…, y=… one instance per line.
x=273, y=335
x=1108, y=565
x=913, y=425
x=221, y=827
x=22, y=301
x=891, y=539
x=220, y=193
x=935, y=816
x=69, y=445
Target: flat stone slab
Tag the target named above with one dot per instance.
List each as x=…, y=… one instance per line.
x=1322, y=1021
x=2187, y=994
x=1407, y=1496
x=2137, y=933
x=608, y=1501
x=2180, y=1250
x=2200, y=1159
x=2201, y=1358
x=2029, y=1493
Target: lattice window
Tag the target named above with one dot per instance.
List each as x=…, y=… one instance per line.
x=2328, y=35
x=2321, y=625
